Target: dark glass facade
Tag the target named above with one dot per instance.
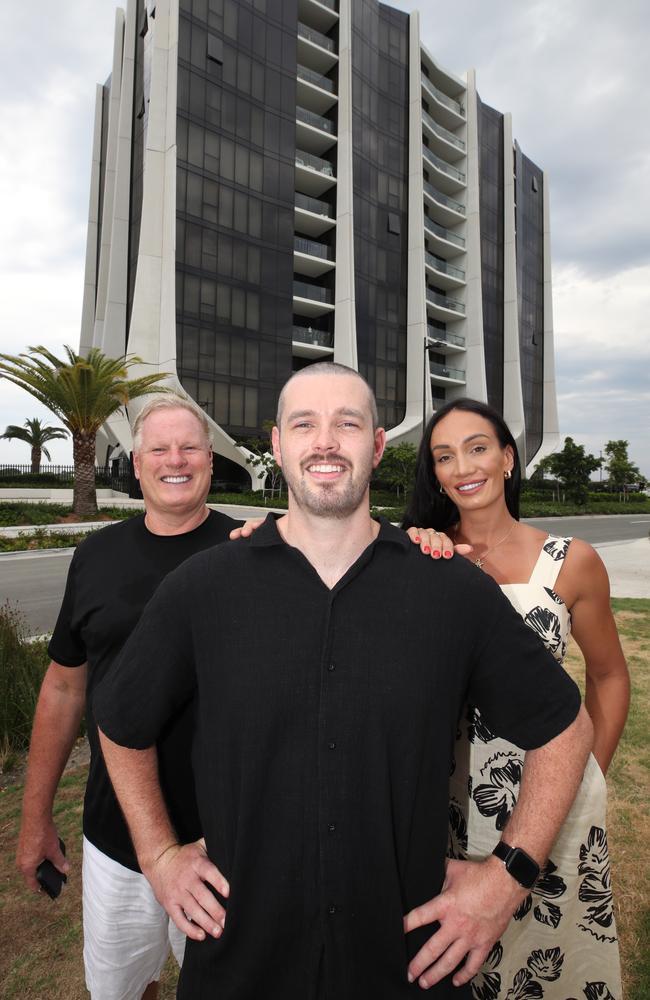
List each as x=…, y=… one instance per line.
x=380, y=60
x=529, y=199
x=490, y=141
x=235, y=206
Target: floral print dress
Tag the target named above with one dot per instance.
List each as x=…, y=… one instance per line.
x=561, y=943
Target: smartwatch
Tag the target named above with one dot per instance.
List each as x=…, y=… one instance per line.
x=517, y=863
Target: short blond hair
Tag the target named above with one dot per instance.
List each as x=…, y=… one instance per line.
x=169, y=401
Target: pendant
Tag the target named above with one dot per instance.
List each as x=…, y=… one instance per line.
x=479, y=563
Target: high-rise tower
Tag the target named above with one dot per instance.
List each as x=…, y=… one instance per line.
x=282, y=181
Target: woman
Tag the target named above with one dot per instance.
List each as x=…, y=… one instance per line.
x=562, y=941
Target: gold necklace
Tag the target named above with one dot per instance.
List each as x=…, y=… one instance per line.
x=480, y=560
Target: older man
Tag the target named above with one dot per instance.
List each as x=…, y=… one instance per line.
x=112, y=576
x=329, y=662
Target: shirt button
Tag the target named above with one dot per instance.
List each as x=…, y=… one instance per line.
x=331, y=909
x=332, y=745
x=331, y=827
x=331, y=667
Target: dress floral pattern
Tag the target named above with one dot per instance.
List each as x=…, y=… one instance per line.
x=562, y=942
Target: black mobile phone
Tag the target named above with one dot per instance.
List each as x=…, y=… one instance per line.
x=50, y=878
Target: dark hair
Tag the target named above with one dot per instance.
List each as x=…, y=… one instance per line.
x=428, y=507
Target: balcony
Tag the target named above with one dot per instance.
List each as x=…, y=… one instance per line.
x=314, y=175
x=442, y=140
x=447, y=275
x=311, y=300
x=315, y=49
x=450, y=112
x=446, y=243
x=442, y=302
x=311, y=258
x=447, y=209
x=449, y=178
x=314, y=132
x=321, y=14
x=314, y=91
x=313, y=216
x=441, y=373
x=308, y=342
x=451, y=343
x=315, y=120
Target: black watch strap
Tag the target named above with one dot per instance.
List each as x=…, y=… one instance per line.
x=520, y=865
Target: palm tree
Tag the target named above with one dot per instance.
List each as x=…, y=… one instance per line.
x=83, y=392
x=36, y=435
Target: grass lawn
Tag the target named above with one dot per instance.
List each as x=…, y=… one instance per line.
x=40, y=941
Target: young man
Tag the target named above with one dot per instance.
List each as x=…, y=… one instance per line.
x=329, y=663
x=112, y=576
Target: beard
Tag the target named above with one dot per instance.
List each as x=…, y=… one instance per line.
x=331, y=499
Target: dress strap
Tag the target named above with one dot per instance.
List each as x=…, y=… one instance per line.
x=550, y=561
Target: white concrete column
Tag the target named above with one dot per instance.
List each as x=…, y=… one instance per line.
x=109, y=174
x=476, y=383
x=113, y=339
x=92, y=237
x=345, y=326
x=513, y=401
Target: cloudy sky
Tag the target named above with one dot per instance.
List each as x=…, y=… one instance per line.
x=575, y=77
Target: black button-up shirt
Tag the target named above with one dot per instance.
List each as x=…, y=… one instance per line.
x=325, y=722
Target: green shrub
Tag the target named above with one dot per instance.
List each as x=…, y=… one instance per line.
x=22, y=666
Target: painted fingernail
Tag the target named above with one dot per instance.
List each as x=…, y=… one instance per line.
x=447, y=554
x=409, y=976
x=424, y=984
x=417, y=538
x=426, y=550
x=436, y=553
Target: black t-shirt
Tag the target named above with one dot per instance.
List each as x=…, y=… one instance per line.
x=325, y=723
x=112, y=575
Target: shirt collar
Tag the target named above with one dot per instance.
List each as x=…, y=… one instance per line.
x=267, y=534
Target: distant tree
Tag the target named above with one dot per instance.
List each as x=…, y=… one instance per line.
x=36, y=435
x=397, y=467
x=572, y=467
x=83, y=392
x=262, y=459
x=621, y=472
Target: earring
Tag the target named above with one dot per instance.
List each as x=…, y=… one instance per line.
x=442, y=489
x=508, y=474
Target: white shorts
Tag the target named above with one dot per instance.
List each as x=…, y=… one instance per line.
x=127, y=933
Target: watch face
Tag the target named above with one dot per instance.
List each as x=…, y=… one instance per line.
x=522, y=868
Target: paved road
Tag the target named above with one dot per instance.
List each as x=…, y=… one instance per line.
x=36, y=581
x=599, y=529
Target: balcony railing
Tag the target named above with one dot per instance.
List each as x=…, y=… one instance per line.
x=311, y=247
x=444, y=199
x=443, y=133
x=444, y=234
x=308, y=335
x=446, y=372
x=305, y=290
x=311, y=76
x=448, y=102
x=315, y=162
x=441, y=164
x=316, y=36
x=315, y=205
x=445, y=302
x=441, y=265
x=444, y=337
x=311, y=118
